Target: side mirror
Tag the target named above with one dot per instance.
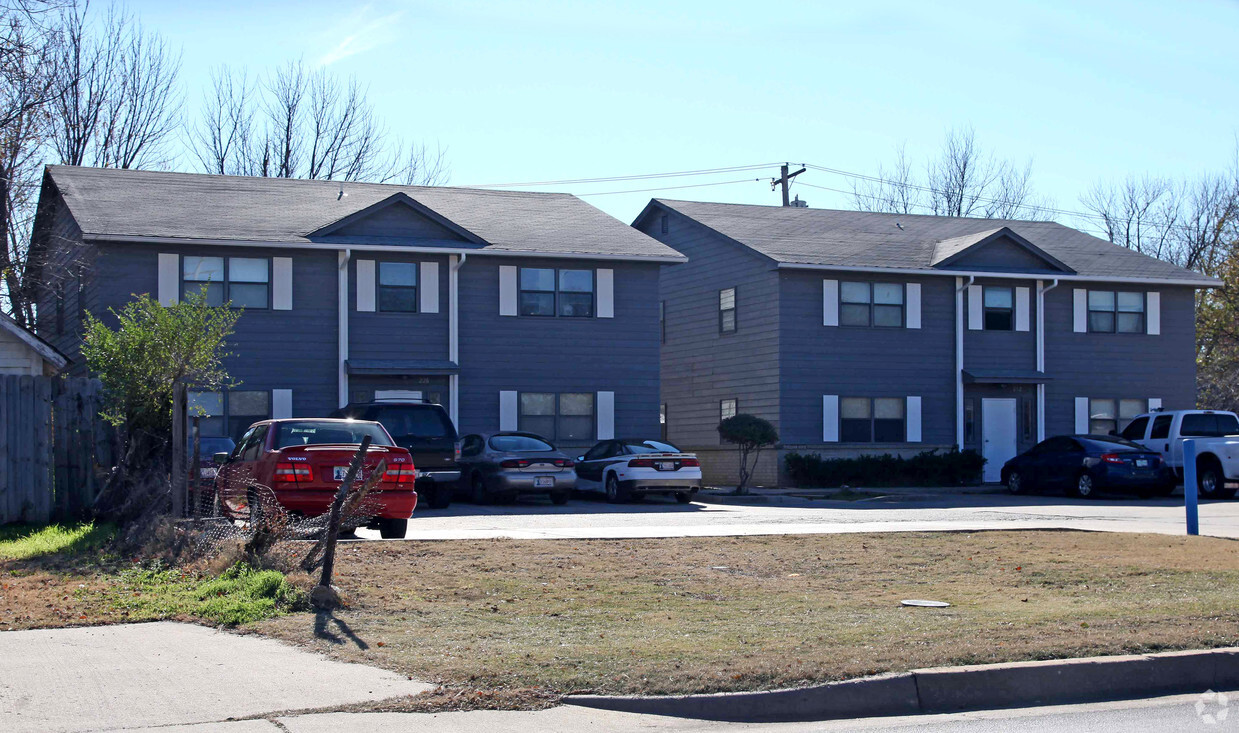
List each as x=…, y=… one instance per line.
x=220, y=458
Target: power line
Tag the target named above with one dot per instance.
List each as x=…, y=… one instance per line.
x=672, y=188
x=638, y=177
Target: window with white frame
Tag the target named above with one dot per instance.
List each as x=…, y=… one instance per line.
x=546, y=291
x=999, y=308
x=1106, y=414
x=727, y=310
x=397, y=287
x=228, y=413
x=1115, y=312
x=564, y=416
x=242, y=282
x=871, y=304
x=872, y=420
x=726, y=409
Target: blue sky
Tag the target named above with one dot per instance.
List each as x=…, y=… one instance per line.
x=562, y=90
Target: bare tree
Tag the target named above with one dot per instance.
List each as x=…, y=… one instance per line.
x=117, y=103
x=301, y=123
x=961, y=181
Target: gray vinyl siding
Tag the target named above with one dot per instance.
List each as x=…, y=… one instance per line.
x=270, y=349
x=1115, y=365
x=398, y=336
x=68, y=262
x=819, y=360
x=700, y=366
x=553, y=354
x=1002, y=255
x=1001, y=349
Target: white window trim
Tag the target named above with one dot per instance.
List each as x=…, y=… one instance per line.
x=830, y=302
x=366, y=286
x=428, y=287
x=912, y=305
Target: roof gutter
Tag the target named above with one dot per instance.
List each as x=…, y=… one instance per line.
x=1203, y=282
x=337, y=246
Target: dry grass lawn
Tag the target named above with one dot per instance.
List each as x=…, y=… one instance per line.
x=709, y=614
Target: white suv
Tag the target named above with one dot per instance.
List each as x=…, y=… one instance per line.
x=1216, y=433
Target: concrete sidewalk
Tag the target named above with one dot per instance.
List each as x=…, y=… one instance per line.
x=162, y=674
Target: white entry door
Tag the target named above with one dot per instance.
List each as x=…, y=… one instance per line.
x=998, y=440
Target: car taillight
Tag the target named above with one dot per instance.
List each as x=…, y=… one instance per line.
x=690, y=462
x=458, y=449
x=1112, y=458
x=641, y=463
x=291, y=473
x=515, y=463
x=565, y=462
x=400, y=473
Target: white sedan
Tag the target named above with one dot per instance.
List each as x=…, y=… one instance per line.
x=627, y=468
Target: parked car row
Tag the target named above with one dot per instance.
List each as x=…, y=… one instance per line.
x=303, y=460
x=1145, y=458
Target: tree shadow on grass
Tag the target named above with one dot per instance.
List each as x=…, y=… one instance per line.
x=324, y=620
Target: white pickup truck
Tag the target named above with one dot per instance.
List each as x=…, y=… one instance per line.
x=1217, y=455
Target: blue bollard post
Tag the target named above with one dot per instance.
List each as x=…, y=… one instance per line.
x=1189, y=487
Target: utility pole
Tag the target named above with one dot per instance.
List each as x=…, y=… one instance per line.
x=784, y=180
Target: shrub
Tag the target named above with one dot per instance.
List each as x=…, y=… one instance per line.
x=927, y=468
x=750, y=434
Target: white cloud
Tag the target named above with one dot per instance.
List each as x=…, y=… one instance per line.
x=362, y=32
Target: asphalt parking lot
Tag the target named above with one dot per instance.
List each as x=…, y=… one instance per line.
x=588, y=518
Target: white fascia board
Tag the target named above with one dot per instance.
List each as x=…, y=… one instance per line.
x=334, y=246
x=1205, y=282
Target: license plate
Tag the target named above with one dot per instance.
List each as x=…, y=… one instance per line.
x=665, y=466
x=209, y=472
x=1142, y=463
x=338, y=473
x=544, y=482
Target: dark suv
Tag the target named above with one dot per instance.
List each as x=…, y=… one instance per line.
x=426, y=431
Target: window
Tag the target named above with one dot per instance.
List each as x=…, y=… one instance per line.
x=568, y=416
x=312, y=432
x=876, y=420
x=209, y=407
x=1105, y=415
x=600, y=451
x=244, y=282
x=662, y=321
x=871, y=304
x=246, y=408
x=1161, y=427
x=1113, y=312
x=1208, y=424
x=548, y=292
x=228, y=414
x=254, y=443
x=726, y=409
x=727, y=310
x=398, y=287
x=519, y=443
x=1135, y=430
x=471, y=445
x=999, y=308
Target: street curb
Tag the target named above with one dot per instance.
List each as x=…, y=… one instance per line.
x=953, y=689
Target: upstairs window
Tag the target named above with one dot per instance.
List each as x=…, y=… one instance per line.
x=1115, y=312
x=550, y=292
x=726, y=409
x=999, y=308
x=244, y=282
x=871, y=304
x=398, y=287
x=727, y=310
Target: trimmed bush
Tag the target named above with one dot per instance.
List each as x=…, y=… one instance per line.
x=928, y=468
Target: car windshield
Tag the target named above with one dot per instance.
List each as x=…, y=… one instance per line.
x=651, y=446
x=427, y=423
x=210, y=446
x=519, y=443
x=313, y=432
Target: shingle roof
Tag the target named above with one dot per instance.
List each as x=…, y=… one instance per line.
x=826, y=237
x=146, y=204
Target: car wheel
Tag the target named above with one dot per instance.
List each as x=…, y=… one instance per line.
x=253, y=502
x=440, y=496
x=560, y=497
x=478, y=492
x=1210, y=484
x=1015, y=483
x=393, y=529
x=1085, y=488
x=684, y=497
x=616, y=493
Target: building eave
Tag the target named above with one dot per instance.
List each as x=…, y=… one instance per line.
x=1202, y=282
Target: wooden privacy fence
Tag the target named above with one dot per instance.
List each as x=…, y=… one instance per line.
x=52, y=444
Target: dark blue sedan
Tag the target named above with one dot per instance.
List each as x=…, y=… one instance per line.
x=1082, y=465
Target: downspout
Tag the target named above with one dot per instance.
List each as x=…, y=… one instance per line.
x=960, y=287
x=1041, y=291
x=342, y=324
x=453, y=333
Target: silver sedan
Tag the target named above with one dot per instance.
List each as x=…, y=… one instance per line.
x=499, y=466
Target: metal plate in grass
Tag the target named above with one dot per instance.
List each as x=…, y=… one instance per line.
x=926, y=604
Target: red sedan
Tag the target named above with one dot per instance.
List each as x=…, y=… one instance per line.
x=303, y=461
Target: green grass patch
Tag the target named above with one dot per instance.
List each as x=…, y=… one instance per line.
x=240, y=595
x=23, y=541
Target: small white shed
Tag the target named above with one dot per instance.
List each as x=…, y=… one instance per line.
x=21, y=352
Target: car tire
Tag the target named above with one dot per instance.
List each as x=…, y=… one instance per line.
x=616, y=494
x=393, y=529
x=253, y=503
x=1085, y=487
x=1210, y=482
x=1016, y=483
x=440, y=496
x=478, y=493
x=684, y=497
x=559, y=498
